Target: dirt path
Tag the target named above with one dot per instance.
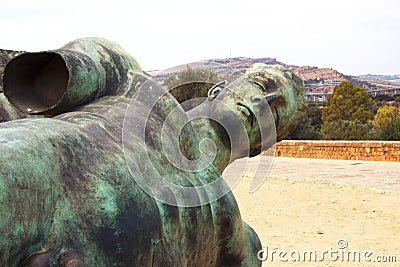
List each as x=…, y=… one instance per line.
x=302, y=216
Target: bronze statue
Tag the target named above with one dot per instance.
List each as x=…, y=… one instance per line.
x=71, y=191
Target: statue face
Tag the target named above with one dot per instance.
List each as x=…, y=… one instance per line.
x=284, y=92
x=265, y=98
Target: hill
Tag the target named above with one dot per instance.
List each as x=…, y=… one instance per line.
x=387, y=78
x=226, y=66
x=319, y=82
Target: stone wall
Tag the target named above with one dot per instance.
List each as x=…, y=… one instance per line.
x=344, y=150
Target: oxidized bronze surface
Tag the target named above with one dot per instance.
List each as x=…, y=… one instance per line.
x=68, y=196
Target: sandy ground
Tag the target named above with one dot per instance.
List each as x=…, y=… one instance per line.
x=298, y=215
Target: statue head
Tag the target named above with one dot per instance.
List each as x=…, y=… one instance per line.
x=284, y=92
x=264, y=99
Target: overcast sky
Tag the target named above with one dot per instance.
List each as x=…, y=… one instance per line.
x=351, y=36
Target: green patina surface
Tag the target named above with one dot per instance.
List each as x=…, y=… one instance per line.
x=68, y=197
x=7, y=111
x=5, y=57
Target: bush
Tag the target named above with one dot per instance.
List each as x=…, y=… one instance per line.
x=384, y=98
x=348, y=103
x=191, y=84
x=346, y=130
x=309, y=126
x=387, y=124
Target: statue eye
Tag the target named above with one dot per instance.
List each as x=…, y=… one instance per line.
x=259, y=85
x=215, y=90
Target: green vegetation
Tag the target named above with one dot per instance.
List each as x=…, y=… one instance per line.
x=384, y=98
x=387, y=124
x=346, y=130
x=351, y=114
x=309, y=126
x=191, y=75
x=191, y=83
x=348, y=113
x=348, y=102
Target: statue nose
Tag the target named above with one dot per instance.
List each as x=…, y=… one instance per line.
x=255, y=100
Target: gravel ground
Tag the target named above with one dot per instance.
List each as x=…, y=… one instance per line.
x=331, y=208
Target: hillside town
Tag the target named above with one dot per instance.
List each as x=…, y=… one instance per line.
x=319, y=82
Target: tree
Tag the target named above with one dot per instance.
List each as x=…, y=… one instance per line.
x=314, y=112
x=387, y=123
x=346, y=130
x=384, y=98
x=190, y=75
x=309, y=124
x=348, y=113
x=348, y=102
x=191, y=83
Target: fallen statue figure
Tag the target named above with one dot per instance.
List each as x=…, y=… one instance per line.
x=76, y=188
